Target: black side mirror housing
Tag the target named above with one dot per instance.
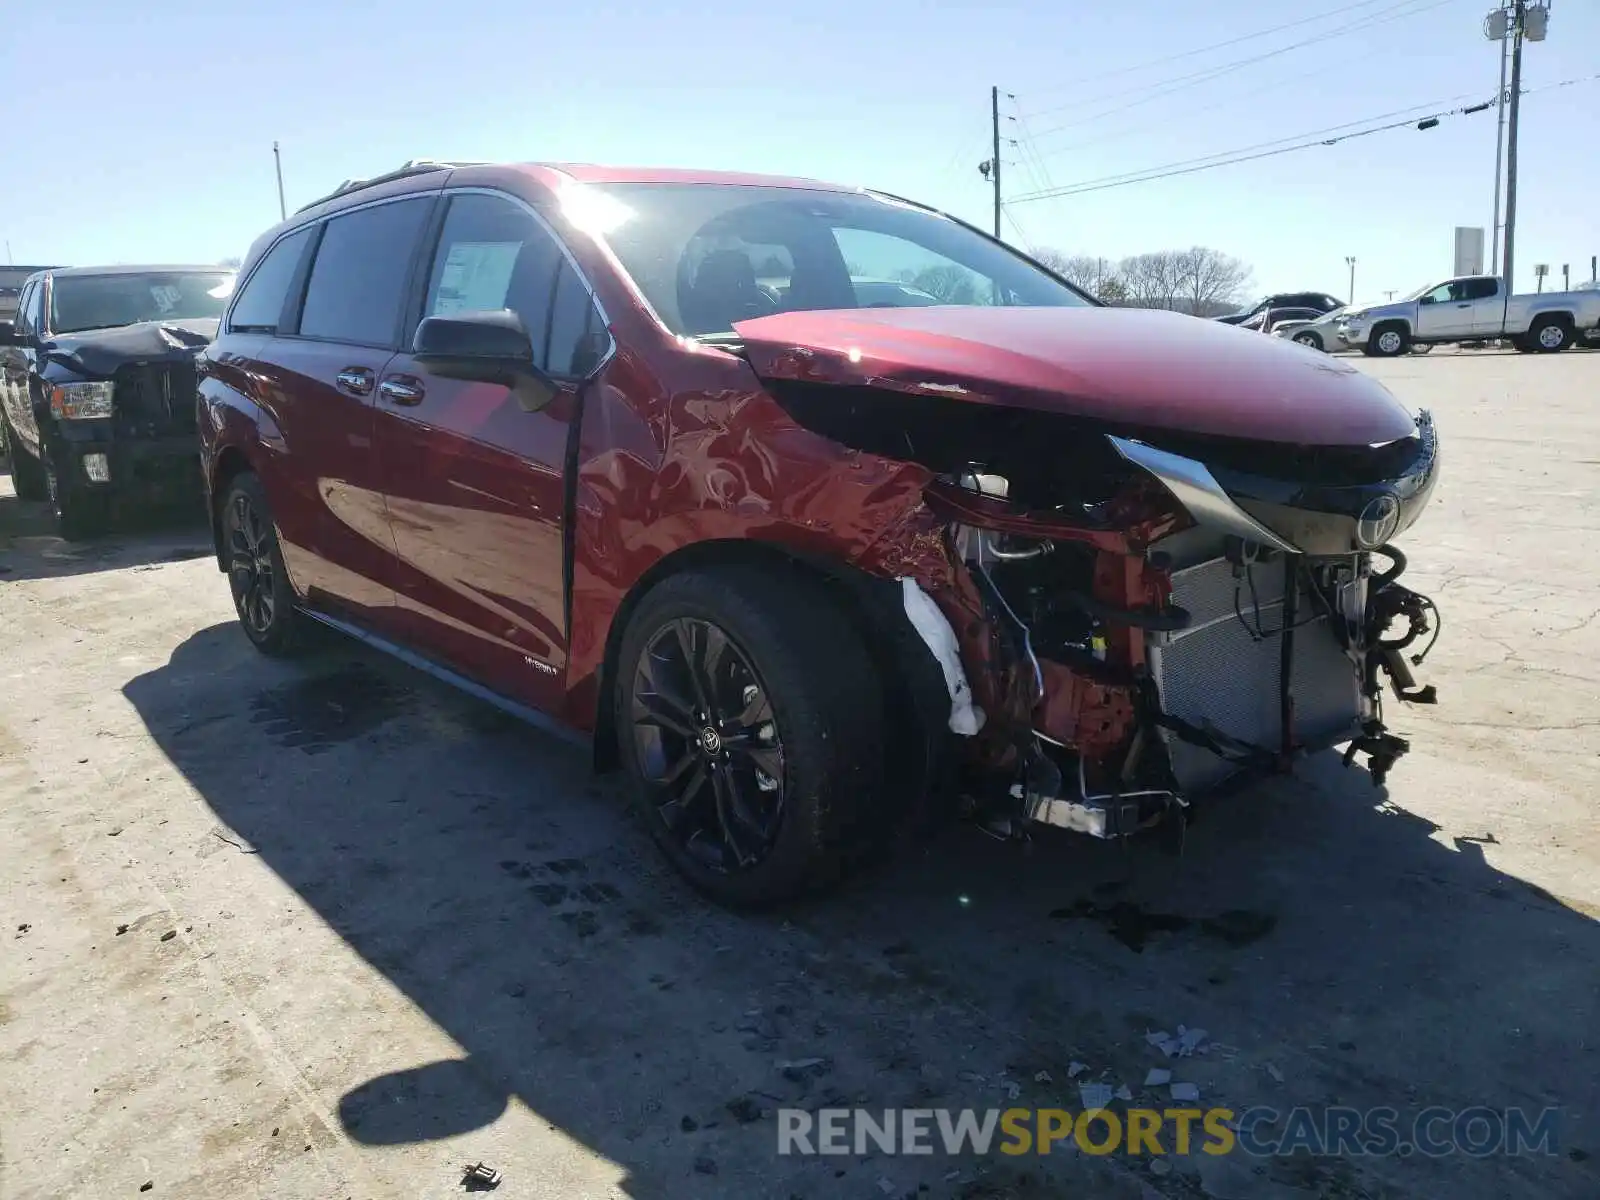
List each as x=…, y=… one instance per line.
x=484, y=346
x=8, y=334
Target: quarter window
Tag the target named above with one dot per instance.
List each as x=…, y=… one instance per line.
x=358, y=282
x=260, y=304
x=24, y=322
x=493, y=255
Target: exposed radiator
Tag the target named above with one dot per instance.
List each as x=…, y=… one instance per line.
x=1216, y=674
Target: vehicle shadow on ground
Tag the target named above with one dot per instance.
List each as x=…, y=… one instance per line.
x=31, y=548
x=1337, y=951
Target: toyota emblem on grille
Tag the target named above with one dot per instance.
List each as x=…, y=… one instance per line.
x=1377, y=522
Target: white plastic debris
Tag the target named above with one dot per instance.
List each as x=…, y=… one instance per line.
x=1164, y=1041
x=1189, y=1040
x=1013, y=1088
x=1074, y=1069
x=1157, y=1076
x=1094, y=1096
x=1124, y=1093
x=1277, y=1075
x=886, y=1186
x=1042, y=1077
x=929, y=622
x=1186, y=1091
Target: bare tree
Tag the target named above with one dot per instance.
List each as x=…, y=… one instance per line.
x=1206, y=279
x=232, y=261
x=1097, y=276
x=948, y=284
x=1151, y=279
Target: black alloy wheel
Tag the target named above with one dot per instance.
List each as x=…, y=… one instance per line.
x=750, y=716
x=250, y=565
x=261, y=593
x=707, y=738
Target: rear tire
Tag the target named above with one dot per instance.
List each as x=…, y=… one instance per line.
x=262, y=595
x=1389, y=341
x=1550, y=335
x=765, y=804
x=27, y=472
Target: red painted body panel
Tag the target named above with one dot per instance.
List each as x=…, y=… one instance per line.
x=1128, y=367
x=473, y=488
x=321, y=478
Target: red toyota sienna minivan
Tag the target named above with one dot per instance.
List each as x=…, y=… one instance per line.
x=813, y=507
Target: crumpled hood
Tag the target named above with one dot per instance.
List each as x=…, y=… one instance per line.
x=102, y=351
x=1132, y=368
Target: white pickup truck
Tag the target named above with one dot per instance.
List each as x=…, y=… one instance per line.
x=1472, y=308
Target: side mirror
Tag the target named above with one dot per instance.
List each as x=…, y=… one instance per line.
x=8, y=334
x=484, y=346
x=1428, y=299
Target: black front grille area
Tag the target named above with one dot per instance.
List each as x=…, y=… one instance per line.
x=155, y=399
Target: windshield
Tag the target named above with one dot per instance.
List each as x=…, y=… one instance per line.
x=708, y=255
x=80, y=302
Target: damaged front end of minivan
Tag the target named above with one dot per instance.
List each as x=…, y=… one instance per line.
x=1129, y=616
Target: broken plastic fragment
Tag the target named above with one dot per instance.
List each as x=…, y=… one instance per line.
x=1074, y=1069
x=1189, y=1040
x=1123, y=1093
x=1164, y=1041
x=1094, y=1096
x=1156, y=1076
x=1042, y=1077
x=1186, y=1091
x=1277, y=1075
x=1013, y=1088
x=930, y=623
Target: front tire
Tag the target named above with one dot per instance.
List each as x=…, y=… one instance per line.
x=1389, y=341
x=749, y=719
x=262, y=595
x=1310, y=340
x=82, y=512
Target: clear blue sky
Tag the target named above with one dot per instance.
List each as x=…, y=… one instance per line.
x=143, y=130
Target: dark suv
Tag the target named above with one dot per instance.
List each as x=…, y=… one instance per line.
x=631, y=452
x=1317, y=302
x=97, y=384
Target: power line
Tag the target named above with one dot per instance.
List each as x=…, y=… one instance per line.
x=1230, y=157
x=1233, y=41
x=1180, y=83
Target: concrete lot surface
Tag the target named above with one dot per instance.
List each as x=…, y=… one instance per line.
x=324, y=930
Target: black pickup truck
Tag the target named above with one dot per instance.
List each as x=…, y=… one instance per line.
x=97, y=386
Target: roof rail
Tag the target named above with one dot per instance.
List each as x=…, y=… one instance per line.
x=415, y=166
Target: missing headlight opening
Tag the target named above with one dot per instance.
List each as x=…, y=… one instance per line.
x=1140, y=627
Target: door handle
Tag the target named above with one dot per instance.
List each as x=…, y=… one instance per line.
x=401, y=391
x=1467, y=305
x=356, y=380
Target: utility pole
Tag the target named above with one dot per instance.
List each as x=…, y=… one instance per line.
x=1350, y=262
x=1499, y=143
x=1389, y=295
x=277, y=162
x=994, y=177
x=1508, y=270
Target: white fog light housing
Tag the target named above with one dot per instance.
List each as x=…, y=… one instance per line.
x=80, y=401
x=97, y=468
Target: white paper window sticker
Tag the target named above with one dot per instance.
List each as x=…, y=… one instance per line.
x=166, y=298
x=476, y=276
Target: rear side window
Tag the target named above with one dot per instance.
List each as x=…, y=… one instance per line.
x=1479, y=289
x=358, y=281
x=260, y=304
x=493, y=254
